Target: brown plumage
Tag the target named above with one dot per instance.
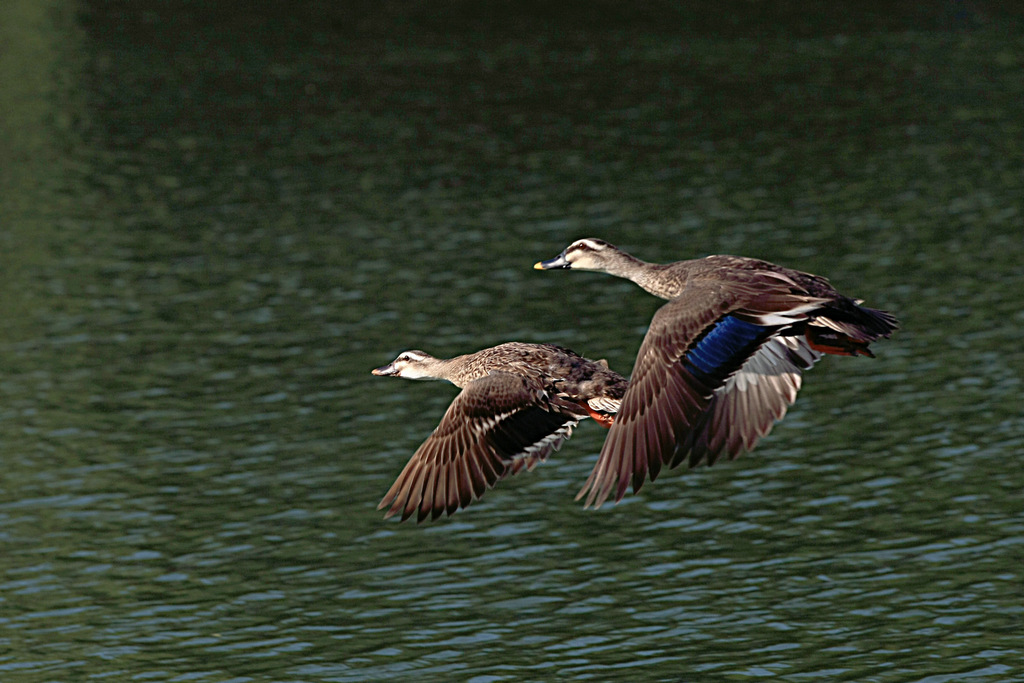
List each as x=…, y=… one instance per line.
x=721, y=360
x=519, y=402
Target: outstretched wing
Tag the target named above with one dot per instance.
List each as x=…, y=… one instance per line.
x=749, y=403
x=693, y=347
x=497, y=425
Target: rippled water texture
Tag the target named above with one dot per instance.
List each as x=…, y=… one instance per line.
x=215, y=220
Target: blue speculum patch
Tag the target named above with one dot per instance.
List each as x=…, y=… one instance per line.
x=729, y=339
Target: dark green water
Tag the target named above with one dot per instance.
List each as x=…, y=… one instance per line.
x=215, y=221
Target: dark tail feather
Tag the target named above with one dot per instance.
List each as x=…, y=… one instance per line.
x=876, y=323
x=846, y=328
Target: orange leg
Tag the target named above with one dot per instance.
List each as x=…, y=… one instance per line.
x=604, y=419
x=836, y=344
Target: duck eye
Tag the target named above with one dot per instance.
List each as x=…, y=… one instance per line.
x=589, y=245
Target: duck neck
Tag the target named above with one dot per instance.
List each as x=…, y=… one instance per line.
x=431, y=368
x=457, y=370
x=650, y=276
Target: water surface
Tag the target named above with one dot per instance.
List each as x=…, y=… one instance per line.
x=215, y=223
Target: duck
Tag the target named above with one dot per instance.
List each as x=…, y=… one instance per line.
x=518, y=403
x=720, y=363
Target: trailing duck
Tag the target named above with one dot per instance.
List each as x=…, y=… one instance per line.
x=519, y=402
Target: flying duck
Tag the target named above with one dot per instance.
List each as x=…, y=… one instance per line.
x=519, y=402
x=721, y=361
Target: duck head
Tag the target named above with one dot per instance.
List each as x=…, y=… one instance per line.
x=590, y=253
x=410, y=365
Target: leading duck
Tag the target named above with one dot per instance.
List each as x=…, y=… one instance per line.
x=721, y=360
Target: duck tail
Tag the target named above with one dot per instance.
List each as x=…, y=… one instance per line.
x=846, y=328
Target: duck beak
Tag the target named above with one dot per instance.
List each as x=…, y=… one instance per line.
x=558, y=262
x=385, y=370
